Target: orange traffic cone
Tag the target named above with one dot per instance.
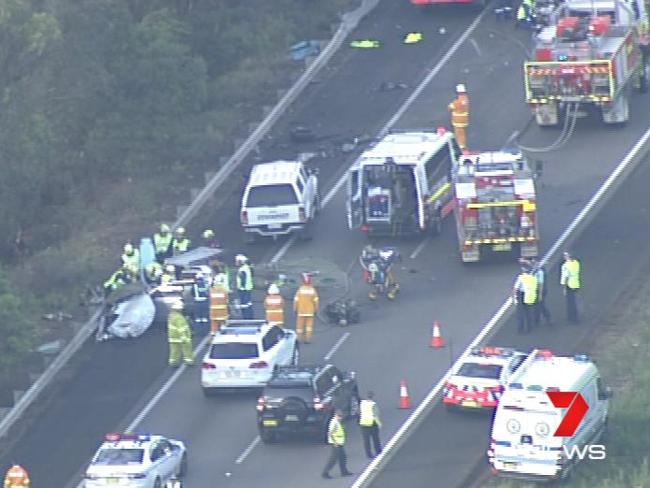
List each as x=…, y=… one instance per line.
x=436, y=338
x=404, y=397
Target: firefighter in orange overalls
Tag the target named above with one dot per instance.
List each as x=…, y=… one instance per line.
x=219, y=292
x=305, y=304
x=274, y=306
x=460, y=115
x=16, y=477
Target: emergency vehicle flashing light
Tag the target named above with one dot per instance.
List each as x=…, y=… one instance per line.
x=117, y=437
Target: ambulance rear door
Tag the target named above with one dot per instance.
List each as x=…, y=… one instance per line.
x=354, y=201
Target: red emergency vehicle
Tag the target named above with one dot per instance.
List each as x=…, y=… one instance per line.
x=495, y=205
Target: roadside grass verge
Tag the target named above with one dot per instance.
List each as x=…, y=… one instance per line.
x=621, y=349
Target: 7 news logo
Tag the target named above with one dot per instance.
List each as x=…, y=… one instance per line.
x=577, y=408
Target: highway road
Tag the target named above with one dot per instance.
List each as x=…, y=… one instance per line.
x=113, y=381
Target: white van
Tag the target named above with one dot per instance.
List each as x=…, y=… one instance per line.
x=522, y=443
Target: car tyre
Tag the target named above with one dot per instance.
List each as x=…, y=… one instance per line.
x=268, y=437
x=305, y=233
x=182, y=469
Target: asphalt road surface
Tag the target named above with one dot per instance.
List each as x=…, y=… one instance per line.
x=113, y=381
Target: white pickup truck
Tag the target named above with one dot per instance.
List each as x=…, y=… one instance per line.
x=280, y=198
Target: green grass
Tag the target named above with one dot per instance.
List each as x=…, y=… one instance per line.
x=621, y=354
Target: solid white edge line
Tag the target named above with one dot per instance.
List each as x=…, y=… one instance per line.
x=242, y=457
x=336, y=346
x=372, y=468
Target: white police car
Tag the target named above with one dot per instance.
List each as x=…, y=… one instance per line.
x=136, y=461
x=244, y=354
x=480, y=379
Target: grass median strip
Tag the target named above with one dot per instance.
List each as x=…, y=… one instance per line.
x=621, y=350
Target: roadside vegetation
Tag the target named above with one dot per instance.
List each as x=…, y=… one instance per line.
x=621, y=352
x=109, y=113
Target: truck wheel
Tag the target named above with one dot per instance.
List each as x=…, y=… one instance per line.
x=268, y=437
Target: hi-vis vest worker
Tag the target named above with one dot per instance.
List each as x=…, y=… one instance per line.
x=181, y=243
x=460, y=115
x=16, y=477
x=131, y=256
x=570, y=281
x=218, y=304
x=162, y=242
x=305, y=304
x=530, y=288
x=274, y=306
x=245, y=287
x=368, y=413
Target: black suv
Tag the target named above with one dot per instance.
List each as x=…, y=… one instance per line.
x=301, y=399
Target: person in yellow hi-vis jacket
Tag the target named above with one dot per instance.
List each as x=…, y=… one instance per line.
x=16, y=477
x=305, y=304
x=336, y=439
x=370, y=423
x=459, y=109
x=179, y=335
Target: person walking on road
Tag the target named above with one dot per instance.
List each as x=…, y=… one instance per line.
x=218, y=300
x=541, y=310
x=274, y=306
x=336, y=439
x=201, y=293
x=525, y=296
x=459, y=109
x=245, y=287
x=370, y=424
x=179, y=336
x=16, y=477
x=570, y=281
x=305, y=304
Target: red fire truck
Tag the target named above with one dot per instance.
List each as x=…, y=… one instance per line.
x=495, y=205
x=591, y=55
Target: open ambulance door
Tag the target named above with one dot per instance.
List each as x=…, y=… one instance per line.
x=353, y=201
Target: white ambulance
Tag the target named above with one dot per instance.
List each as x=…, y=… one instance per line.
x=523, y=444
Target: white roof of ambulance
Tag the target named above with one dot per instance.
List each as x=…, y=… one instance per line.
x=404, y=147
x=563, y=373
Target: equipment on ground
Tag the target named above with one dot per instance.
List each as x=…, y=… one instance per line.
x=343, y=312
x=128, y=312
x=400, y=185
x=495, y=205
x=378, y=265
x=591, y=55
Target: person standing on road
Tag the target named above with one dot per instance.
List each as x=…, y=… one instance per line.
x=459, y=109
x=274, y=306
x=541, y=310
x=162, y=243
x=201, y=293
x=181, y=243
x=336, y=439
x=16, y=477
x=305, y=304
x=179, y=336
x=525, y=296
x=245, y=287
x=570, y=281
x=218, y=300
x=131, y=256
x=370, y=423
x=210, y=239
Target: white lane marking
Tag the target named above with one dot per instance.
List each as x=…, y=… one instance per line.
x=164, y=388
x=512, y=137
x=475, y=44
x=396, y=116
x=418, y=249
x=373, y=468
x=336, y=346
x=248, y=450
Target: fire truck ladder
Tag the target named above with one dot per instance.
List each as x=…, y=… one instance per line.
x=567, y=131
